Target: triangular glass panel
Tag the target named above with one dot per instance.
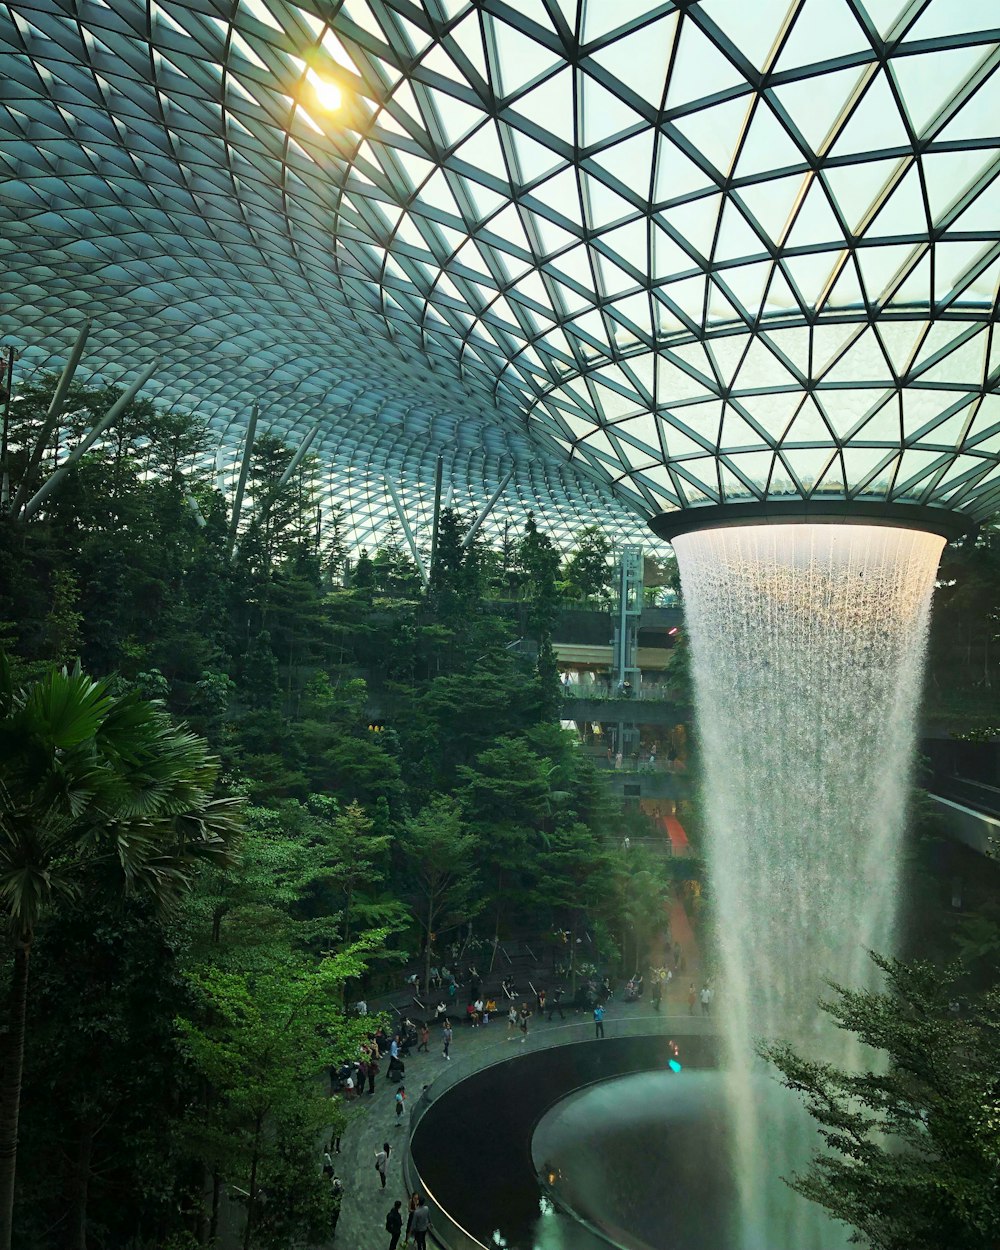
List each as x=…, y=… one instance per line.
x=751, y=28
x=771, y=202
x=736, y=432
x=668, y=256
x=857, y=187
x=716, y=131
x=845, y=409
x=768, y=146
x=879, y=266
x=676, y=173
x=550, y=105
x=673, y=384
x=823, y=30
x=883, y=14
x=875, y=123
x=914, y=468
x=534, y=159
x=519, y=59
x=747, y=284
x=807, y=427
x=737, y=238
x=772, y=411
x=779, y=297
x=640, y=59
x=947, y=175
x=811, y=274
x=733, y=486
x=468, y=37
x=721, y=309
x=605, y=207
x=948, y=432
x=929, y=80
x=703, y=475
x=761, y=369
x=900, y=339
x=678, y=443
x=696, y=223
x=903, y=212
x=966, y=364
x=621, y=160
x=699, y=69
x=561, y=193
x=846, y=291
x=456, y=117
x=688, y=295
x=829, y=343
x=870, y=470
x=954, y=264
x=983, y=288
x=828, y=481
x=977, y=118
x=631, y=243
x=815, y=104
x=614, y=280
x=604, y=114
x=815, y=223
x=551, y=238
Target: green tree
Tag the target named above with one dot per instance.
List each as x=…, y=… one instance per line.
x=440, y=858
x=588, y=571
x=913, y=1159
x=260, y=1040
x=96, y=793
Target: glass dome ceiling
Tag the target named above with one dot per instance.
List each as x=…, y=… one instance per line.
x=647, y=256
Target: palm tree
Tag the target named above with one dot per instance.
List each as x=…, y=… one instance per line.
x=97, y=792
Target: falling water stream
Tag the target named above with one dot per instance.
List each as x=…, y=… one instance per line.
x=808, y=645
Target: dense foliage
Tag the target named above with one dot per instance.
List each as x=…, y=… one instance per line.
x=401, y=771
x=913, y=1159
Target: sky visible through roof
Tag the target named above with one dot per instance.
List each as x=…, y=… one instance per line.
x=647, y=256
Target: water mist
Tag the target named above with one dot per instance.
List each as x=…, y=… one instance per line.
x=808, y=645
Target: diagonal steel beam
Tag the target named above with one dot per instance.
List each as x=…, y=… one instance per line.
x=84, y=445
x=411, y=541
x=51, y=417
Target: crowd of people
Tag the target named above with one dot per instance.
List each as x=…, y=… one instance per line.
x=484, y=1008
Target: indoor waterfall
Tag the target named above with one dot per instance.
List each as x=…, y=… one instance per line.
x=807, y=644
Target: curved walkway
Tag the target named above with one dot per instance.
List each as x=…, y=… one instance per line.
x=365, y=1203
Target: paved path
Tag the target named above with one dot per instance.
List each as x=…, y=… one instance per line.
x=362, y=1218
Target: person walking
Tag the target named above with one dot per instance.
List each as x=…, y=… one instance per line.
x=382, y=1161
x=706, y=1000
x=446, y=1038
x=555, y=1002
x=598, y=1021
x=425, y=1037
x=692, y=998
x=394, y=1224
x=421, y=1223
x=414, y=1203
x=511, y=1022
x=524, y=1015
x=400, y=1101
x=657, y=993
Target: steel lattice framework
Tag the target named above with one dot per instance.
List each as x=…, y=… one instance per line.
x=645, y=255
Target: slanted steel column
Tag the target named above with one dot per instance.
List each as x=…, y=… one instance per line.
x=8, y=387
x=293, y=464
x=477, y=523
x=241, y=484
x=408, y=532
x=438, y=473
x=51, y=417
x=85, y=444
x=192, y=503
